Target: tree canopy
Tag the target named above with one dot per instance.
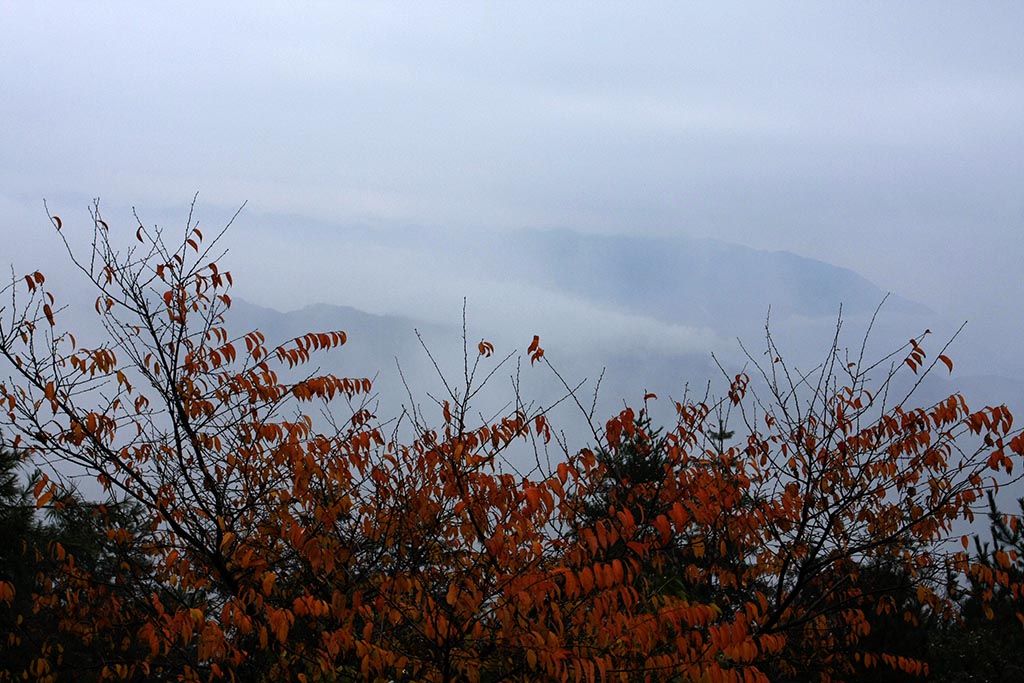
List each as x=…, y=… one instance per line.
x=259, y=522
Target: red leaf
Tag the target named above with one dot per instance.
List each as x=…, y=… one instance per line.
x=535, y=351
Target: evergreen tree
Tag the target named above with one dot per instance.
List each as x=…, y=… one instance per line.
x=46, y=555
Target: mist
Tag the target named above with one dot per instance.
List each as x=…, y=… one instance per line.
x=402, y=160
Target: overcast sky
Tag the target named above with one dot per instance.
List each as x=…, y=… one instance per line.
x=883, y=137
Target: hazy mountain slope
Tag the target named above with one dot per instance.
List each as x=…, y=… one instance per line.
x=700, y=281
x=373, y=341
x=376, y=346
x=664, y=285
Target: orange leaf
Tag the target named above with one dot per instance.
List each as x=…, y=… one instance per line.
x=45, y=498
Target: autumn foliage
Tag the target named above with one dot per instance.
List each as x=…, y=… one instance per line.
x=281, y=532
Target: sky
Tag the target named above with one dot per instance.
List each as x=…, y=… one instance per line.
x=882, y=137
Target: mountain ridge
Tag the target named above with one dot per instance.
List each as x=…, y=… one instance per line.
x=729, y=280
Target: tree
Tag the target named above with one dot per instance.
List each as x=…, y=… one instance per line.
x=282, y=532
x=62, y=571
x=977, y=646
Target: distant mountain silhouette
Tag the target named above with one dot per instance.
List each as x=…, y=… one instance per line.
x=701, y=281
